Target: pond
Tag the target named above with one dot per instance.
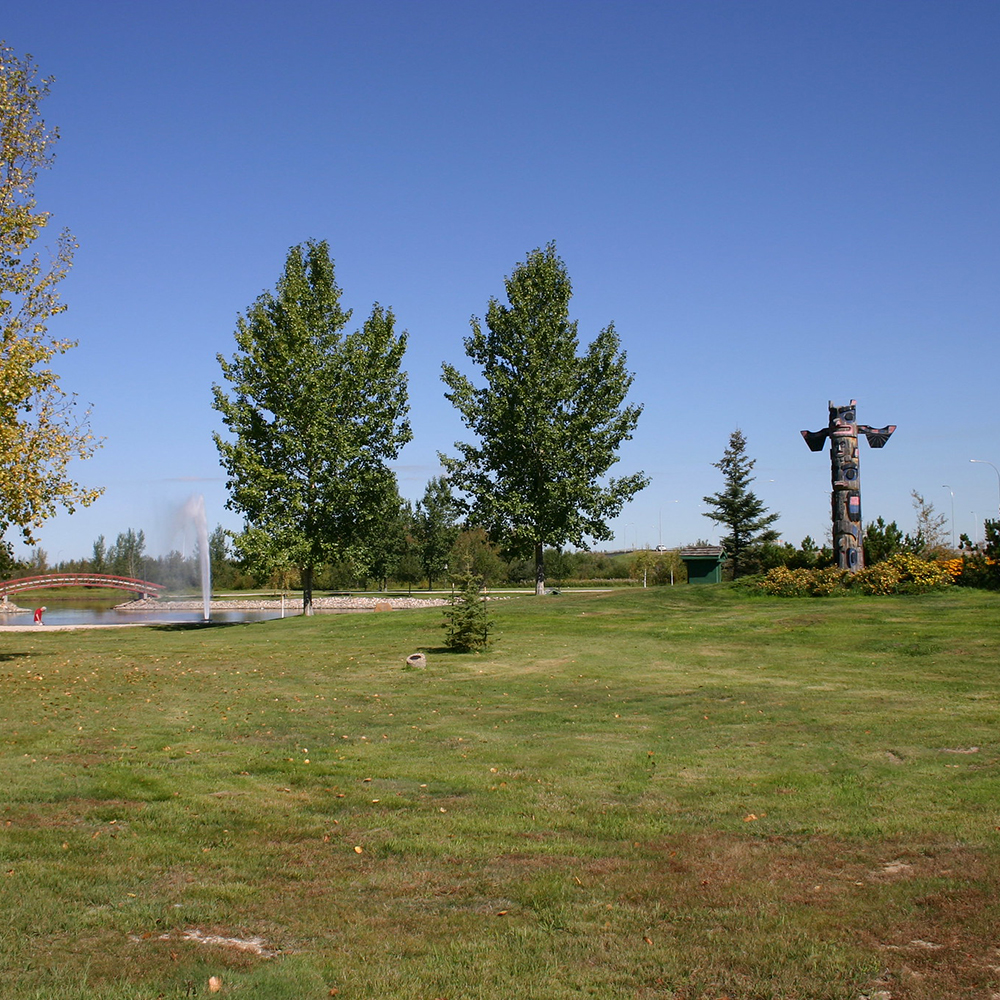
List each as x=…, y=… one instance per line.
x=87, y=611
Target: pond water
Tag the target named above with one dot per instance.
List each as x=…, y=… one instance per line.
x=91, y=612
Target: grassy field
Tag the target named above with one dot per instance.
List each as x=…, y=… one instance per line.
x=671, y=793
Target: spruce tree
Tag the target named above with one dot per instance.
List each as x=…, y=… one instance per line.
x=467, y=621
x=737, y=507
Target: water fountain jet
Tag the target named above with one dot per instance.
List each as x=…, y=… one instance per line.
x=194, y=511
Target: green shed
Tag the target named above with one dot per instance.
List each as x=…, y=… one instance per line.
x=704, y=563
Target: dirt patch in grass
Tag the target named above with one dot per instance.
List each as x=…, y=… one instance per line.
x=731, y=907
x=930, y=917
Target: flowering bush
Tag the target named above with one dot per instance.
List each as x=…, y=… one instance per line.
x=780, y=582
x=980, y=563
x=784, y=582
x=953, y=567
x=902, y=573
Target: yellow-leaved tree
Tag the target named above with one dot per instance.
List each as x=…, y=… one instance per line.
x=41, y=428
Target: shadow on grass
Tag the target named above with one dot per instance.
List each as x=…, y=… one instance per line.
x=443, y=651
x=194, y=626
x=4, y=657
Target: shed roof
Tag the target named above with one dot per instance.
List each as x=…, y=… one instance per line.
x=702, y=552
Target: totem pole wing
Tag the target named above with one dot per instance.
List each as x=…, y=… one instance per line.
x=816, y=439
x=877, y=436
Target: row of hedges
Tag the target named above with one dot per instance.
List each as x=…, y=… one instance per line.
x=902, y=573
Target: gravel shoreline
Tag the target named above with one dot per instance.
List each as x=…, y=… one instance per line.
x=290, y=604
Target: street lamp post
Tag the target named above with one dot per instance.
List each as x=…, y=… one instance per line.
x=982, y=461
x=659, y=525
x=625, y=533
x=952, y=492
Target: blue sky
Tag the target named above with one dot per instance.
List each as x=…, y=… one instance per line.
x=776, y=203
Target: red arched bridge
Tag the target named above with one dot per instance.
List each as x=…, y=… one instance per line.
x=112, y=581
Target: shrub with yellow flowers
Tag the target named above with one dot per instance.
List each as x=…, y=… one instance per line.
x=902, y=573
x=784, y=582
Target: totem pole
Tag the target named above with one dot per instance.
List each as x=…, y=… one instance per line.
x=846, y=501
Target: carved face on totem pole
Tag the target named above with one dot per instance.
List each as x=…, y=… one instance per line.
x=845, y=476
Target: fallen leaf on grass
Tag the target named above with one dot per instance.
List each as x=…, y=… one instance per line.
x=214, y=984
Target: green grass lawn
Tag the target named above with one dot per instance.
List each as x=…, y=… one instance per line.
x=669, y=793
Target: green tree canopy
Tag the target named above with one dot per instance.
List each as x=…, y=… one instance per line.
x=128, y=553
x=41, y=429
x=549, y=421
x=737, y=507
x=436, y=525
x=315, y=416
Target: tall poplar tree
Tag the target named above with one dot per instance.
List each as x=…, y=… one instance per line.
x=436, y=524
x=41, y=429
x=737, y=507
x=316, y=414
x=549, y=421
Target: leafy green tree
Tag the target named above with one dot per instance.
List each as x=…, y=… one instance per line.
x=549, y=421
x=558, y=565
x=220, y=564
x=737, y=507
x=127, y=555
x=474, y=553
x=99, y=557
x=316, y=415
x=40, y=427
x=409, y=569
x=642, y=565
x=656, y=567
x=38, y=562
x=7, y=561
x=384, y=549
x=436, y=526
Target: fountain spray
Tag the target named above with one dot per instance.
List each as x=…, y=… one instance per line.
x=194, y=510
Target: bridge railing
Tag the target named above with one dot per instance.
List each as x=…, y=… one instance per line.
x=110, y=581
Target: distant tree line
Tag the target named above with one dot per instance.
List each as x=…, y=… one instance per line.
x=426, y=546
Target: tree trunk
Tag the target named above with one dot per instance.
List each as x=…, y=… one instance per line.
x=307, y=590
x=539, y=570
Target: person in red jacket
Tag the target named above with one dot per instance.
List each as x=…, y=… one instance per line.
x=38, y=615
